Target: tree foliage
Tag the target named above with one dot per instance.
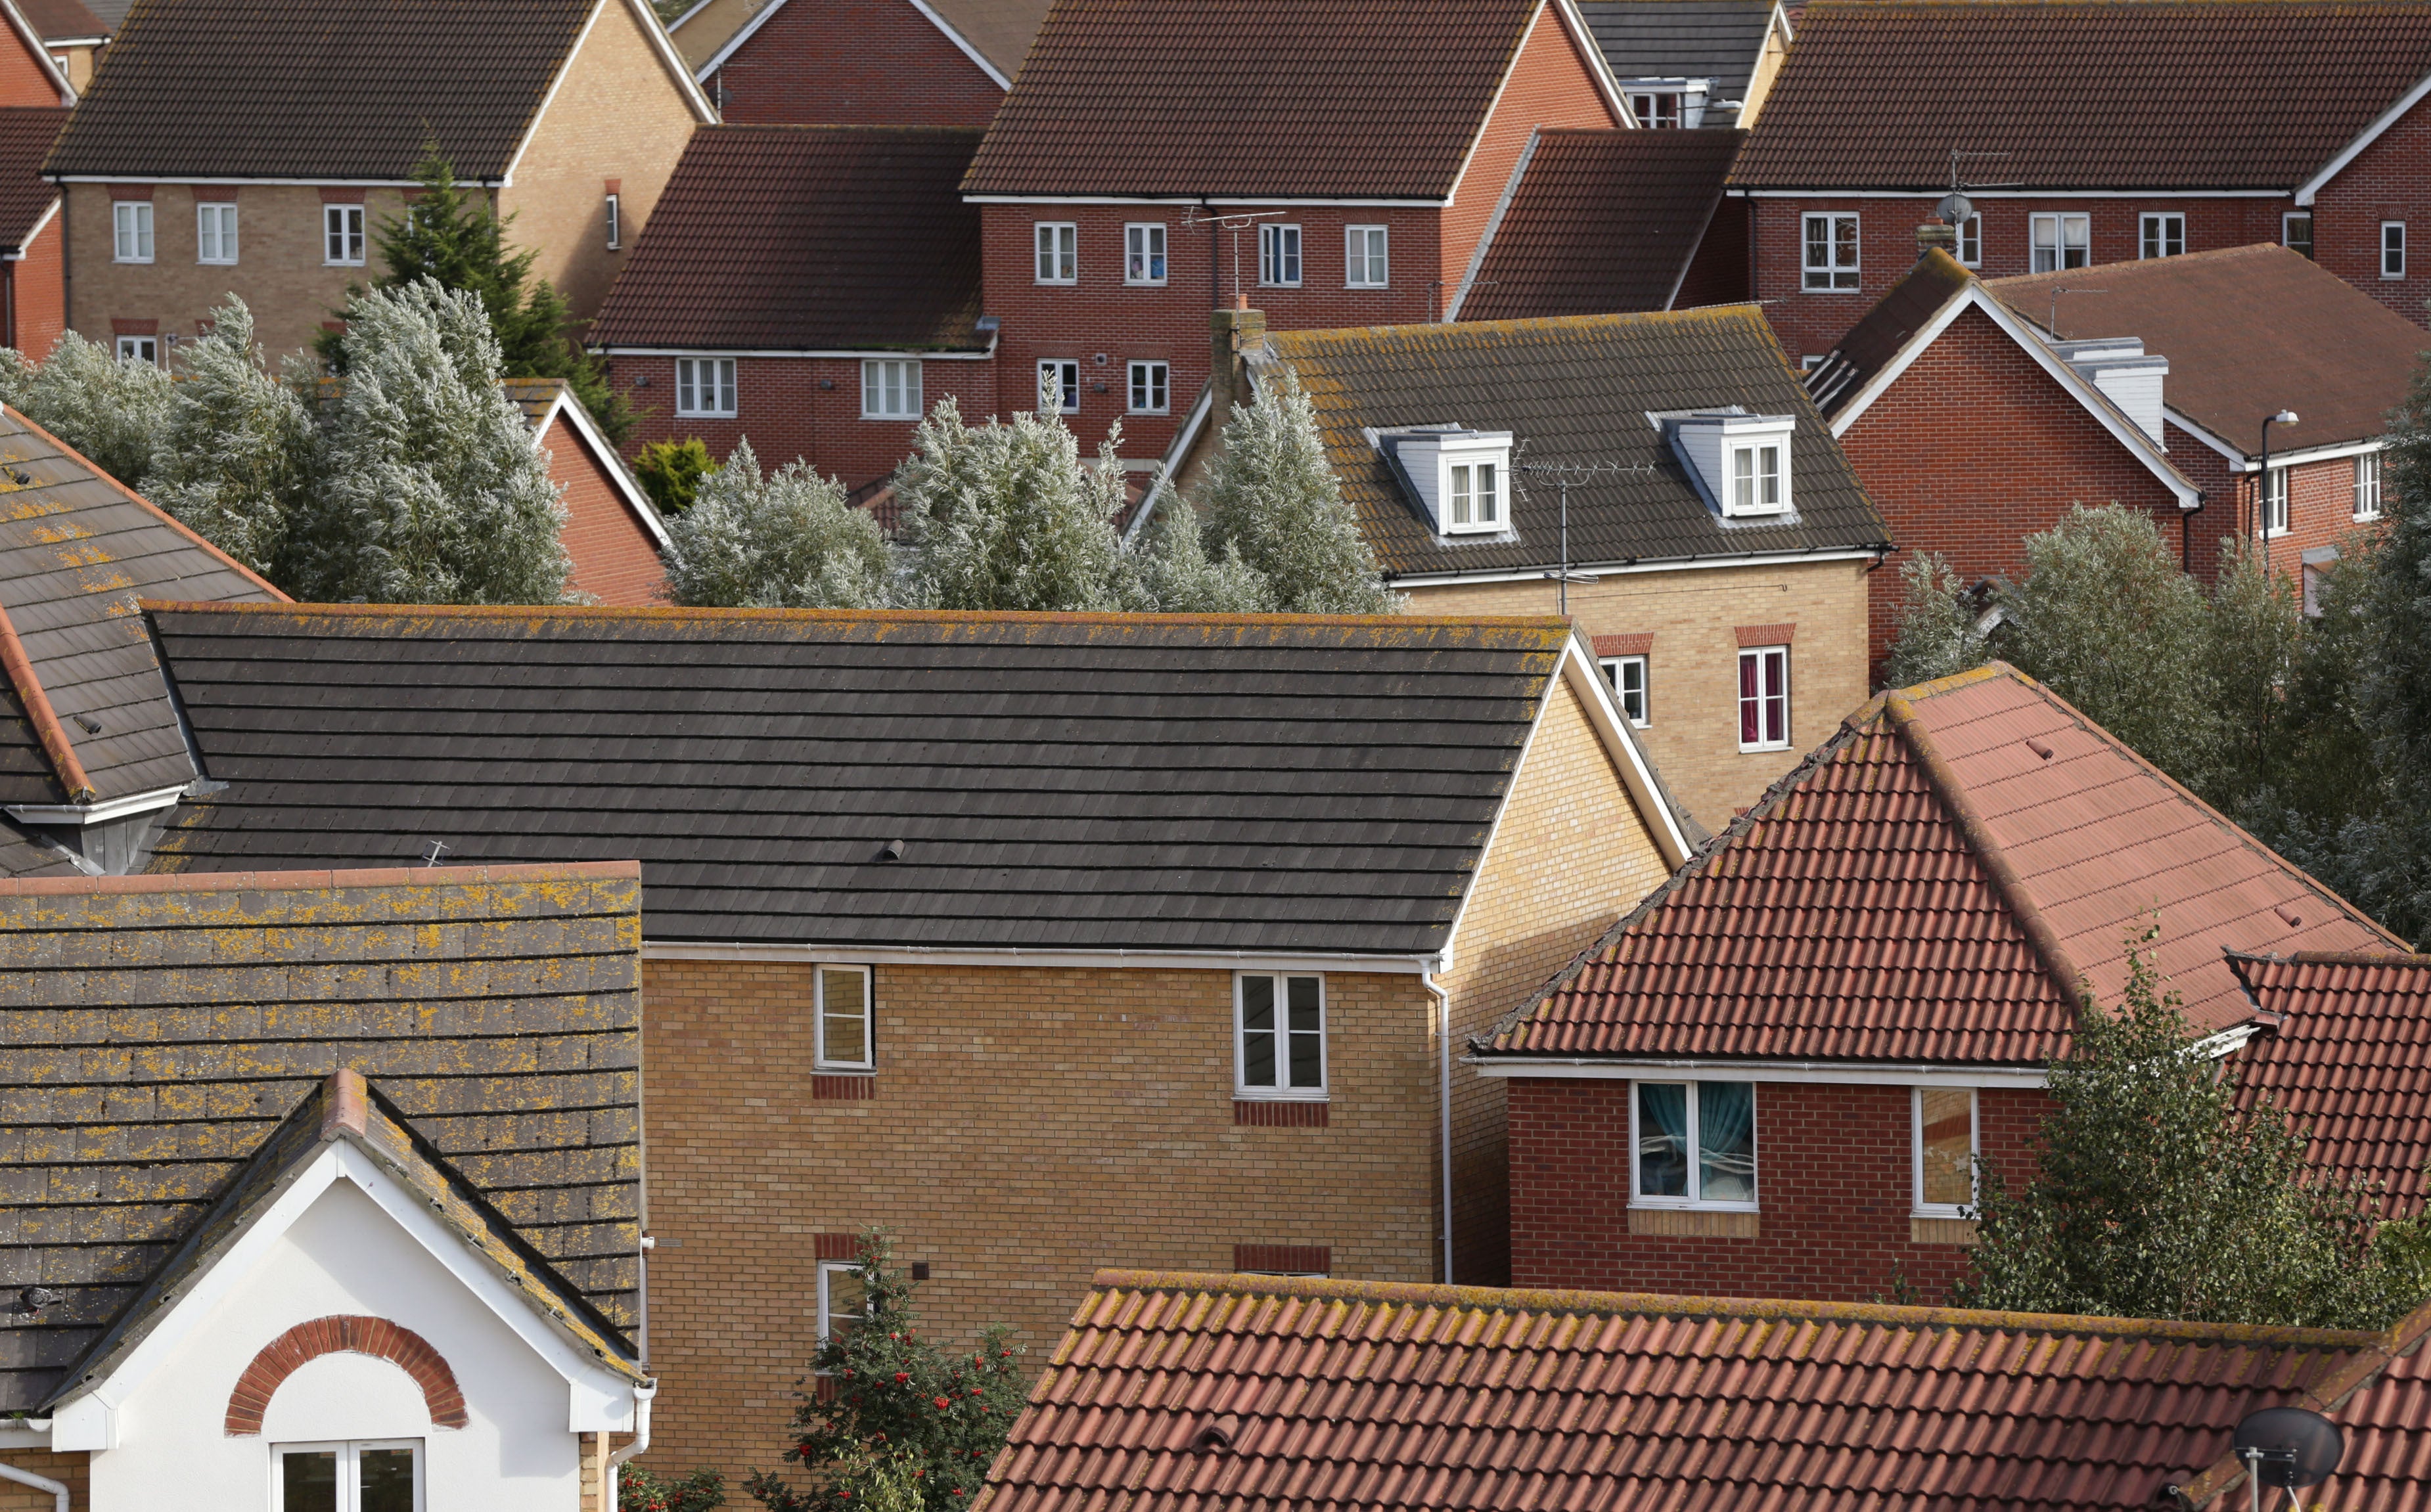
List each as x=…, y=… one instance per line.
x=782, y=540
x=640, y=1490
x=1274, y=506
x=906, y=1424
x=671, y=473
x=1936, y=626
x=1004, y=516
x=232, y=456
x=107, y=408
x=2154, y=1196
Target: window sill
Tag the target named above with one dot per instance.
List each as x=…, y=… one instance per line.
x=1761, y=750
x=1696, y=1222
x=1282, y=1113
x=892, y=419
x=844, y=1086
x=1924, y=1230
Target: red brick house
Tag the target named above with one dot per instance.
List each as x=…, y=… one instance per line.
x=33, y=259
x=858, y=62
x=1772, y=1077
x=2249, y=332
x=613, y=533
x=1971, y=431
x=845, y=303
x=2086, y=133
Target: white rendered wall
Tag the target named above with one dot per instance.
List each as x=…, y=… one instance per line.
x=345, y=1255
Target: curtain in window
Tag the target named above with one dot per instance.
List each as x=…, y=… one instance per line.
x=1661, y=1139
x=1726, y=1141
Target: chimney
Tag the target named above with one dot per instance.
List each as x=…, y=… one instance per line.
x=1934, y=234
x=1234, y=332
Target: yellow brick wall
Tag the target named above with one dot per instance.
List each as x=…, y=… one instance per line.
x=1693, y=670
x=68, y=1469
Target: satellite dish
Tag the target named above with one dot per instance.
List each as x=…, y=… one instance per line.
x=1953, y=210
x=2297, y=1447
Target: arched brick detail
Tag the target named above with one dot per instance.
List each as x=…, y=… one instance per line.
x=344, y=1335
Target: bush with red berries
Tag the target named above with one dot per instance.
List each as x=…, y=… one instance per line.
x=638, y=1491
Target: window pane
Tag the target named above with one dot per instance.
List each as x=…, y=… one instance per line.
x=1662, y=1140
x=1726, y=1141
x=1460, y=495
x=1257, y=1031
x=1307, y=1033
x=845, y=1016
x=1946, y=1140
x=308, y=1482
x=847, y=1300
x=1748, y=723
x=386, y=1479
x=1487, y=503
x=1768, y=468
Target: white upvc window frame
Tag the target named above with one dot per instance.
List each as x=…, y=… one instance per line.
x=725, y=388
x=215, y=233
x=1657, y=109
x=343, y=242
x=824, y=1322
x=1064, y=373
x=1281, y=255
x=1628, y=678
x=1144, y=265
x=1148, y=385
x=1366, y=257
x=1696, y=1199
x=2058, y=223
x=820, y=1058
x=1476, y=492
x=1971, y=240
x=2288, y=221
x=1756, y=471
x=130, y=231
x=1918, y=1208
x=1761, y=697
x=2160, y=234
x=2393, y=249
x=1281, y=1091
x=2367, y=487
x=2278, y=503
x=1830, y=276
x=890, y=388
x=615, y=210
x=1055, y=247
x=349, y=1469
x=137, y=349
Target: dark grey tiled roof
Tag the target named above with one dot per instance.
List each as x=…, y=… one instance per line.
x=1718, y=40
x=1574, y=390
x=25, y=855
x=158, y=1030
x=1271, y=783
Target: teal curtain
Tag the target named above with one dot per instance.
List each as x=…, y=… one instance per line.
x=1726, y=1141
x=1661, y=1139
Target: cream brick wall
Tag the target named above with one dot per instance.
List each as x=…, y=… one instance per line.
x=1693, y=670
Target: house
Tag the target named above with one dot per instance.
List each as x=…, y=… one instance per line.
x=2339, y=1044
x=1690, y=63
x=72, y=36
x=1972, y=428
x=33, y=253
x=1178, y=1391
x=91, y=754
x=1858, y=986
x=613, y=533
x=858, y=62
x=29, y=74
x=230, y=148
x=1729, y=620
x=967, y=924
x=1336, y=167
x=2085, y=134
x=2250, y=332
x=846, y=303
x=326, y=1183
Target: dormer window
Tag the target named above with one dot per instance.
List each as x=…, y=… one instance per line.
x=1461, y=477
x=1756, y=478
x=1740, y=462
x=1476, y=502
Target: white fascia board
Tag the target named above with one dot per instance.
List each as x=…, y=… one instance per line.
x=276, y=183
x=1827, y=1072
x=1176, y=452
x=2317, y=454
x=1494, y=832
x=1585, y=680
x=24, y=1432
x=1888, y=373
x=1188, y=200
x=1938, y=191
x=570, y=409
x=694, y=9
x=1493, y=224
x=31, y=236
x=1675, y=564
x=557, y=81
x=1105, y=959
x=896, y=353
x=2306, y=191
x=41, y=51
x=2235, y=457
x=1583, y=38
x=100, y=813
x=671, y=59
x=995, y=75
x=1780, y=19
x=743, y=33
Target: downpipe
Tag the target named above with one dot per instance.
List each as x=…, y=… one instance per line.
x=643, y=1396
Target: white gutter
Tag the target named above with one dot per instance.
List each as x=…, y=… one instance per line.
x=1832, y=1072
x=24, y=1432
x=1014, y=956
x=100, y=813
x=643, y=1396
x=1443, y=1024
x=1790, y=558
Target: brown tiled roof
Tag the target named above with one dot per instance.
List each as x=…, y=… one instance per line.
x=1270, y=98
x=1002, y=31
x=823, y=239
x=2346, y=1048
x=1600, y=222
x=1930, y=886
x=2124, y=94
x=319, y=88
x=61, y=21
x=1175, y=1392
x=2248, y=331
x=161, y=1028
x=26, y=132
x=1883, y=332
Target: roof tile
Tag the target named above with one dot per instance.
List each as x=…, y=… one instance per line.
x=2348, y=1058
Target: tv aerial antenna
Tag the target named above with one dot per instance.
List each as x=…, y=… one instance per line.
x=1237, y=224
x=1563, y=474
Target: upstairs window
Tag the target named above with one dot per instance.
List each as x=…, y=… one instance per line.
x=2162, y=236
x=373, y=1476
x=1943, y=1122
x=1279, y=257
x=844, y=1299
x=1627, y=675
x=2062, y=242
x=1655, y=111
x=341, y=235
x=1693, y=1145
x=2274, y=502
x=132, y=225
x=2393, y=249
x=1059, y=386
x=215, y=233
x=1151, y=386
x=1059, y=252
x=1279, y=1040
x=616, y=221
x=1764, y=698
x=1831, y=253
x=890, y=389
x=1474, y=496
x=139, y=349
x=1144, y=253
x=1756, y=478
x=1364, y=251
x=2296, y=232
x=1971, y=241
x=705, y=386
x=2367, y=486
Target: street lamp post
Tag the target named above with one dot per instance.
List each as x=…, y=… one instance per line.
x=2262, y=493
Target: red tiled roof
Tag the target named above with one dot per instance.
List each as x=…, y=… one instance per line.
x=1179, y=1392
x=2125, y=94
x=1270, y=98
x=1601, y=223
x=2350, y=1057
x=1930, y=885
x=820, y=238
x=26, y=132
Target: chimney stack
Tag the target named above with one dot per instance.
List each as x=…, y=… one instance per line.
x=1934, y=234
x=1233, y=333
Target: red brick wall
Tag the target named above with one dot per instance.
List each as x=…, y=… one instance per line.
x=853, y=62
x=21, y=80
x=1552, y=85
x=616, y=558
x=39, y=290
x=1833, y=1180
x=2321, y=507
x=785, y=413
x=2386, y=182
x=1974, y=449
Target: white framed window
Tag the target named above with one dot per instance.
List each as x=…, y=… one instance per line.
x=847, y=1040
x=1059, y=385
x=842, y=1299
x=2161, y=234
x=215, y=233
x=2296, y=232
x=341, y=235
x=1279, y=1036
x=1144, y=252
x=705, y=386
x=1764, y=698
x=2274, y=502
x=1627, y=675
x=369, y=1475
x=1656, y=112
x=1472, y=496
x=1279, y=257
x=1944, y=1139
x=2061, y=242
x=890, y=389
x=1757, y=475
x=1151, y=386
x=1971, y=240
x=616, y=221
x=1831, y=253
x=139, y=349
x=2367, y=500
x=1692, y=1144
x=1365, y=265
x=2393, y=249
x=131, y=230
x=1059, y=252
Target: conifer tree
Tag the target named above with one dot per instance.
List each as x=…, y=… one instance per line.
x=671, y=473
x=782, y=540
x=1272, y=500
x=1004, y=516
x=232, y=456
x=1173, y=574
